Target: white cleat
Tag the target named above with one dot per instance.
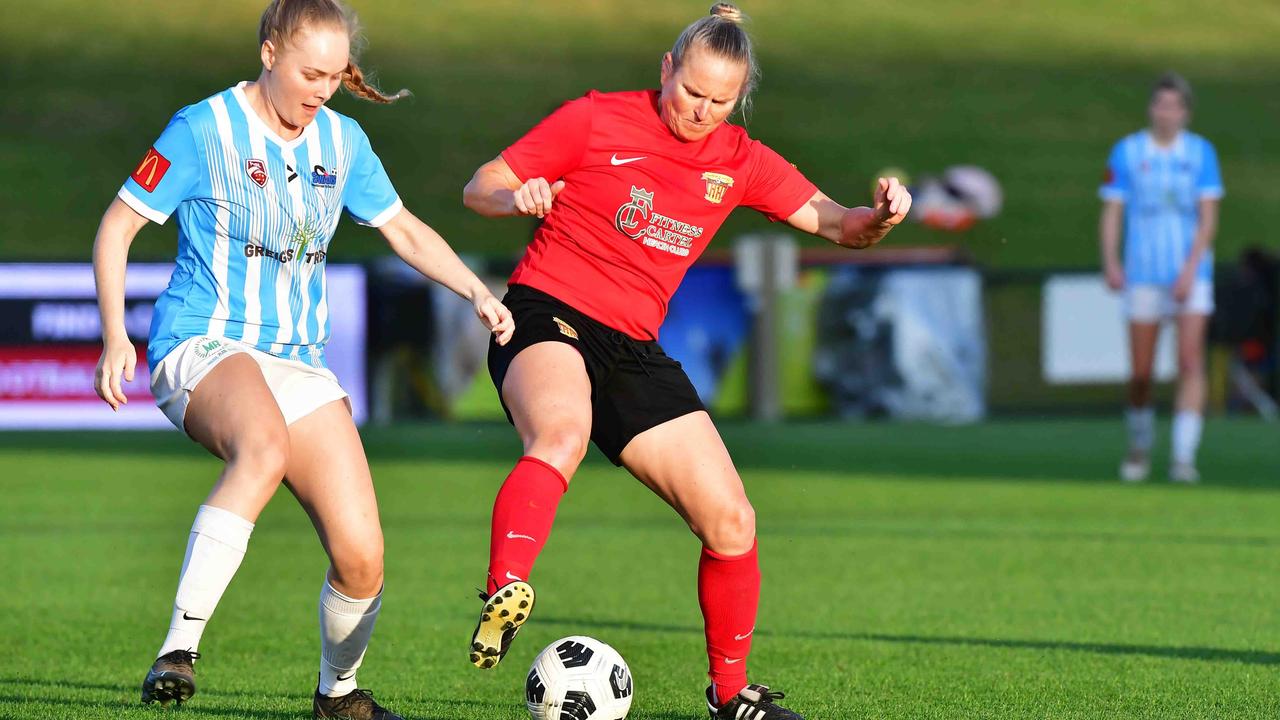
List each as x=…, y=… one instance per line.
x=1135, y=467
x=1184, y=473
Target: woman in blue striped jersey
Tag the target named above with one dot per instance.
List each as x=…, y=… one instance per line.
x=259, y=175
x=1163, y=185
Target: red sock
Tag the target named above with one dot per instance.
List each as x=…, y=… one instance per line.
x=729, y=593
x=522, y=516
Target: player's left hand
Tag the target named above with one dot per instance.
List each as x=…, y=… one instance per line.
x=892, y=201
x=1182, y=288
x=496, y=317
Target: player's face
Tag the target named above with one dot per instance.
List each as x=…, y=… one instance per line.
x=305, y=73
x=1169, y=112
x=700, y=94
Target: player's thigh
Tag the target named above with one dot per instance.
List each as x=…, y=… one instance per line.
x=547, y=391
x=685, y=462
x=329, y=475
x=232, y=412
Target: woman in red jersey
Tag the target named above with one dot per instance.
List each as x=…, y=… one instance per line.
x=631, y=187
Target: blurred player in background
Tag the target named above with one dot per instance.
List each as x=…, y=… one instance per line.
x=1163, y=187
x=632, y=186
x=259, y=175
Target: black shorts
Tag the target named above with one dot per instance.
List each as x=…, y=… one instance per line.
x=634, y=385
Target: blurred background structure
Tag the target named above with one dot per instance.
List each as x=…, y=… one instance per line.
x=1034, y=93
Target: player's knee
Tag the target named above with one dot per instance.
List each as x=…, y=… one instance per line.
x=264, y=454
x=1190, y=362
x=562, y=448
x=731, y=530
x=358, y=572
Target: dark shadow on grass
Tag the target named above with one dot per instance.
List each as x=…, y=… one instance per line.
x=109, y=706
x=1248, y=657
x=132, y=687
x=303, y=701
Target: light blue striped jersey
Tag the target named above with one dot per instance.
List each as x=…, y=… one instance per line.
x=256, y=214
x=1161, y=189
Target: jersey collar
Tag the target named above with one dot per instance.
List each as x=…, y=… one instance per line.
x=252, y=118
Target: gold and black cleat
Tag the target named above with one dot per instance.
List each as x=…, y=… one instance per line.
x=504, y=612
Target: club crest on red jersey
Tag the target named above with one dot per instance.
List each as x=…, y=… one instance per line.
x=717, y=184
x=257, y=170
x=625, y=220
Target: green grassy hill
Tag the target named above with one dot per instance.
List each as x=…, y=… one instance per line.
x=1034, y=91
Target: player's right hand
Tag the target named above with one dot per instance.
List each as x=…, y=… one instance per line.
x=535, y=196
x=1115, y=276
x=118, y=360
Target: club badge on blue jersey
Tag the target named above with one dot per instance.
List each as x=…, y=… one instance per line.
x=257, y=170
x=324, y=178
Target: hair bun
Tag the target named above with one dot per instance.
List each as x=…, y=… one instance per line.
x=728, y=11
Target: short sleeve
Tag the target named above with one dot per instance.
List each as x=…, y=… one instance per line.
x=554, y=146
x=368, y=194
x=168, y=174
x=775, y=188
x=1115, y=179
x=1209, y=181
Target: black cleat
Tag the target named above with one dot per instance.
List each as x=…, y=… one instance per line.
x=171, y=678
x=753, y=702
x=504, y=612
x=355, y=705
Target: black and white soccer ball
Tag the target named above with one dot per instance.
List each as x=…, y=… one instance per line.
x=578, y=678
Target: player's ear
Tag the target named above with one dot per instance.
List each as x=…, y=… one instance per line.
x=668, y=67
x=268, y=54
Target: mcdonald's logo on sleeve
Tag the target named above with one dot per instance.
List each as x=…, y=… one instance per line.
x=151, y=170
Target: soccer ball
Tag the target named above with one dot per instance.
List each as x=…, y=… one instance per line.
x=578, y=678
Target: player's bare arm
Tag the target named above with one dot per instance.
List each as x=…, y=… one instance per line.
x=858, y=227
x=496, y=191
x=1109, y=242
x=423, y=249
x=120, y=224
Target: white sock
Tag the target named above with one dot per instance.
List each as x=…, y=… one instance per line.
x=215, y=548
x=1142, y=427
x=346, y=624
x=1187, y=426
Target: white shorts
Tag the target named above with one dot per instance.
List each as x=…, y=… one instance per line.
x=1154, y=303
x=299, y=389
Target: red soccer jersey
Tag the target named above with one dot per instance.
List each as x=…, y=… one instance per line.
x=639, y=205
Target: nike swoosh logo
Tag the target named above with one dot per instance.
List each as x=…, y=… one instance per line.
x=743, y=637
x=185, y=616
x=731, y=661
x=615, y=160
x=513, y=577
x=344, y=679
x=514, y=536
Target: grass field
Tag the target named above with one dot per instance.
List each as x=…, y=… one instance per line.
x=1035, y=91
x=995, y=571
